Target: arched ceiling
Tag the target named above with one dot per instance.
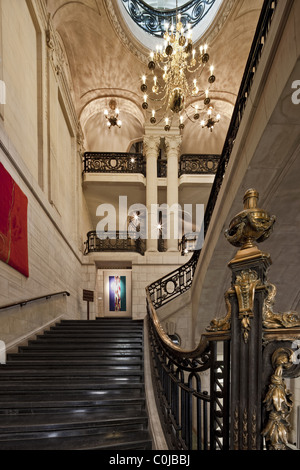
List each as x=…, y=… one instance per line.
x=105, y=61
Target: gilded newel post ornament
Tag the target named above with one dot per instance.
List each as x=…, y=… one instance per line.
x=252, y=225
x=261, y=340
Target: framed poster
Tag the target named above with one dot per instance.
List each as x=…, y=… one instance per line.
x=117, y=293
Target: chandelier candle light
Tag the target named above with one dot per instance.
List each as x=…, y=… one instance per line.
x=171, y=70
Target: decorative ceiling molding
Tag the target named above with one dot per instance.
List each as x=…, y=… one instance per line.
x=123, y=32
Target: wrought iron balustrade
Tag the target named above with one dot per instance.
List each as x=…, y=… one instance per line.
x=113, y=241
x=103, y=162
x=188, y=243
x=194, y=413
x=191, y=164
x=162, y=167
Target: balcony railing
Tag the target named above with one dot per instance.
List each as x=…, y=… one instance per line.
x=113, y=241
x=162, y=168
x=118, y=241
x=198, y=164
x=189, y=164
x=102, y=162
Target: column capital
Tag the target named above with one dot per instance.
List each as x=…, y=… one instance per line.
x=151, y=144
x=173, y=144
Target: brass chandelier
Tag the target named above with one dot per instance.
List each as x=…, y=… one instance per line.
x=112, y=116
x=170, y=81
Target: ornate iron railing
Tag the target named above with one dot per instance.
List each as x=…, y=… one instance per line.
x=194, y=414
x=152, y=20
x=198, y=164
x=162, y=167
x=104, y=162
x=174, y=284
x=188, y=243
x=113, y=241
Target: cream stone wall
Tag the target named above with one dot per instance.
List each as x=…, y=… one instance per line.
x=20, y=66
x=40, y=147
x=151, y=268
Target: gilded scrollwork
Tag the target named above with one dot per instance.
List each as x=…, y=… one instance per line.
x=277, y=320
x=245, y=286
x=278, y=402
x=223, y=324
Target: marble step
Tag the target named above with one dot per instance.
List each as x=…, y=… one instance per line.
x=41, y=403
x=120, y=441
x=45, y=386
x=42, y=425
x=14, y=373
x=50, y=354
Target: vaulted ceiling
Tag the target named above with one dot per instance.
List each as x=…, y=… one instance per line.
x=105, y=60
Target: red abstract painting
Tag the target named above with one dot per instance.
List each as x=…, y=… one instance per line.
x=13, y=224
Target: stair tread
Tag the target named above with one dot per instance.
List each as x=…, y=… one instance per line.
x=77, y=361
x=75, y=354
x=129, y=440
x=14, y=423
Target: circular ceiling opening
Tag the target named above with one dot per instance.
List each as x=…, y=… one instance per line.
x=147, y=19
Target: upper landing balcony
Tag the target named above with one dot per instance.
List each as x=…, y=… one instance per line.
x=131, y=167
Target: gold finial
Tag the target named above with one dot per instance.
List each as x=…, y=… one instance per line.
x=250, y=199
x=250, y=226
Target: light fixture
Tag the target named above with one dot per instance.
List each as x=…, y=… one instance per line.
x=170, y=81
x=211, y=119
x=113, y=116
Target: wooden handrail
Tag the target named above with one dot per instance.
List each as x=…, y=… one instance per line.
x=24, y=302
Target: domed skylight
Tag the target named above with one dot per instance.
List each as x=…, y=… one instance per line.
x=146, y=19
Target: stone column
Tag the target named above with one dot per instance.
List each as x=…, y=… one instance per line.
x=151, y=146
x=173, y=144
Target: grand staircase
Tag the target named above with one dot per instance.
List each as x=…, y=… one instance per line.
x=79, y=386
